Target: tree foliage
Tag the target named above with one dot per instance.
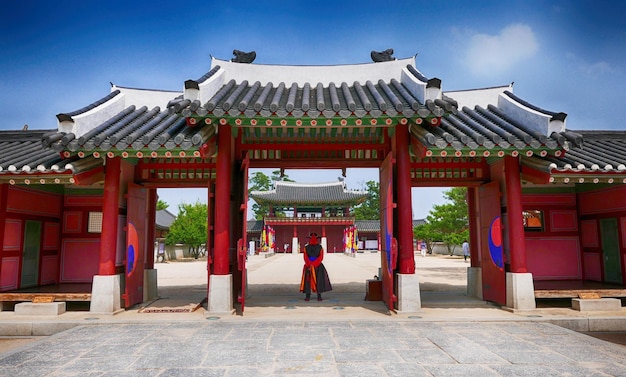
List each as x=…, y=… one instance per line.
x=161, y=205
x=261, y=182
x=370, y=208
x=189, y=227
x=446, y=222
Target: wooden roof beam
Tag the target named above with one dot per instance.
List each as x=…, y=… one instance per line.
x=89, y=177
x=533, y=175
x=312, y=164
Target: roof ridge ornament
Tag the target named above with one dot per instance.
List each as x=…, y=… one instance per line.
x=382, y=56
x=243, y=57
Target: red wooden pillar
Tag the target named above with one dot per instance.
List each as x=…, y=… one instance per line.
x=151, y=224
x=222, y=200
x=515, y=225
x=406, y=258
x=474, y=240
x=110, y=216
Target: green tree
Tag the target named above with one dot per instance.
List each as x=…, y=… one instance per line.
x=161, y=205
x=426, y=233
x=448, y=222
x=370, y=208
x=189, y=227
x=261, y=182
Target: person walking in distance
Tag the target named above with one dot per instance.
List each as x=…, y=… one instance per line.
x=314, y=274
x=466, y=252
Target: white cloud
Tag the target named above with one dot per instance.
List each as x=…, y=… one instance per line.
x=495, y=54
x=592, y=68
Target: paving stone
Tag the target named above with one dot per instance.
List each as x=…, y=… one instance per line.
x=305, y=368
x=323, y=355
x=194, y=372
x=221, y=357
x=368, y=342
x=120, y=363
x=458, y=370
x=361, y=370
x=368, y=355
x=526, y=370
x=167, y=360
x=430, y=355
x=533, y=357
x=282, y=342
x=405, y=369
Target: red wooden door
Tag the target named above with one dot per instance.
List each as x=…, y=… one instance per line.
x=136, y=229
x=387, y=241
x=491, y=245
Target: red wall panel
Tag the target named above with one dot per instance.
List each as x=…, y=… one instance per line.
x=593, y=266
x=563, y=221
x=549, y=199
x=12, y=235
x=607, y=200
x=33, y=202
x=9, y=273
x=49, y=269
x=83, y=200
x=553, y=258
x=79, y=260
x=589, y=233
x=51, y=236
x=72, y=221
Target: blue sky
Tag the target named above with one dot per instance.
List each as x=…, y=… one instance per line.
x=58, y=56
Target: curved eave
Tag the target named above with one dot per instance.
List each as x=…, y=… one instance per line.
x=67, y=117
x=566, y=171
x=317, y=203
x=586, y=177
x=138, y=133
x=35, y=179
x=486, y=132
x=70, y=171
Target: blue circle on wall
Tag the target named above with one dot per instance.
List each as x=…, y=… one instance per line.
x=133, y=246
x=495, y=242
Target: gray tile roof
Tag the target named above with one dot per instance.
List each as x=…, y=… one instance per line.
x=317, y=103
x=292, y=193
x=25, y=160
x=489, y=132
x=314, y=103
x=601, y=158
x=254, y=226
x=367, y=225
x=313, y=100
x=164, y=219
x=140, y=131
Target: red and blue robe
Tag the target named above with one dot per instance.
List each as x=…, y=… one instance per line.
x=314, y=274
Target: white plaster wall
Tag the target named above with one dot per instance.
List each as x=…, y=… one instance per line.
x=302, y=74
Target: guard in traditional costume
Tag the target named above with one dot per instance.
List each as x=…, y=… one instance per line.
x=314, y=274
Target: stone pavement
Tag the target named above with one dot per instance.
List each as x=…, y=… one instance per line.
x=280, y=334
x=317, y=348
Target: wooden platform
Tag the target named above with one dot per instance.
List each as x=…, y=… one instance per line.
x=55, y=292
x=576, y=288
